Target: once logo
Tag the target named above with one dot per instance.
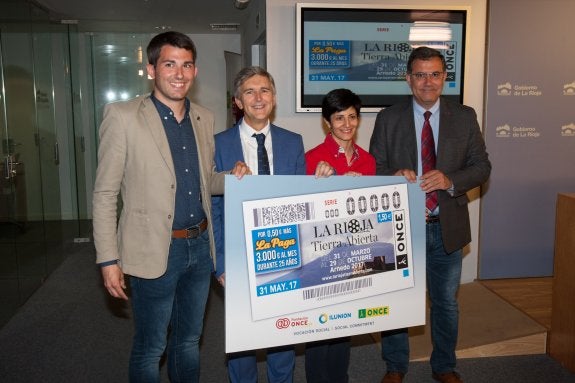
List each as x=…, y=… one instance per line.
x=373, y=312
x=282, y=323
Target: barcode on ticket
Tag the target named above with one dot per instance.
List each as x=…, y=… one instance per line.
x=323, y=291
x=277, y=215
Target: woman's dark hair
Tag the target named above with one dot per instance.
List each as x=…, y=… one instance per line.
x=338, y=100
x=175, y=39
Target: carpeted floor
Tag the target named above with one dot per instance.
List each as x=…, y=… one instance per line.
x=71, y=331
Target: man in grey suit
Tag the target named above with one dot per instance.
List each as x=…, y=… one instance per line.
x=156, y=152
x=461, y=164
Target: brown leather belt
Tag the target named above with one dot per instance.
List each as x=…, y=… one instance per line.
x=192, y=231
x=432, y=219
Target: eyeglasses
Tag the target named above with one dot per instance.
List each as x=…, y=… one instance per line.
x=423, y=75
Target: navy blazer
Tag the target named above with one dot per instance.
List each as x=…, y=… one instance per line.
x=461, y=156
x=288, y=159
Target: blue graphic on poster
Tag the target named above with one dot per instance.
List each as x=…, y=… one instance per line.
x=327, y=248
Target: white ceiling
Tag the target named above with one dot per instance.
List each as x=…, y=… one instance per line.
x=188, y=16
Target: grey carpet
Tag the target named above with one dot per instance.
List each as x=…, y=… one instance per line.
x=71, y=331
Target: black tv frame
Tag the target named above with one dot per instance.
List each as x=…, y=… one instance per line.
x=372, y=13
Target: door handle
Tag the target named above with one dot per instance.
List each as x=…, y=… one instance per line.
x=6, y=168
x=10, y=167
x=56, y=154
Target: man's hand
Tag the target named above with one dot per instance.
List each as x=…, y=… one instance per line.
x=324, y=170
x=240, y=169
x=434, y=180
x=409, y=175
x=114, y=281
x=222, y=279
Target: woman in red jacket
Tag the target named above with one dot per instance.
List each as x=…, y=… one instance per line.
x=340, y=110
x=327, y=360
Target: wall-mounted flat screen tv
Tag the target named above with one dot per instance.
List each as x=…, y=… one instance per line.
x=365, y=48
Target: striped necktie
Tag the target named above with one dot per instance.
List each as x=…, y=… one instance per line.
x=428, y=159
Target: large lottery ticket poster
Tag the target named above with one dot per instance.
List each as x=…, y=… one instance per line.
x=310, y=259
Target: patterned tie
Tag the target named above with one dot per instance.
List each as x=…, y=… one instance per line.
x=263, y=162
x=428, y=158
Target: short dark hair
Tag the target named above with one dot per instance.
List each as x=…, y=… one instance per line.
x=338, y=100
x=424, y=53
x=249, y=72
x=173, y=38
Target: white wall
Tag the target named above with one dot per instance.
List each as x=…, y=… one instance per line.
x=281, y=62
x=209, y=89
x=253, y=29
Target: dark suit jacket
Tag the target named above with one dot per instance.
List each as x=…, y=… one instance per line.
x=288, y=159
x=461, y=156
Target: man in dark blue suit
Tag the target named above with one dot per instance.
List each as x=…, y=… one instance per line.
x=255, y=95
x=438, y=142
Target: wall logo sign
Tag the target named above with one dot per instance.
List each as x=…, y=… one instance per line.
x=503, y=131
x=506, y=131
x=504, y=89
x=568, y=130
x=507, y=89
x=569, y=89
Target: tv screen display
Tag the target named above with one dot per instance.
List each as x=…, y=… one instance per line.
x=365, y=49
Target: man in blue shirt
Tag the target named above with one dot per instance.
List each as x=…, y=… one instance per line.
x=156, y=153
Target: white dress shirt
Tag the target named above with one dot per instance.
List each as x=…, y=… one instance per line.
x=250, y=146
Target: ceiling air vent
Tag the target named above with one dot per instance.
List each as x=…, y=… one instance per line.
x=225, y=27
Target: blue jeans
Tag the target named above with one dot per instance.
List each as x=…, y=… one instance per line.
x=326, y=361
x=443, y=277
x=242, y=366
x=169, y=311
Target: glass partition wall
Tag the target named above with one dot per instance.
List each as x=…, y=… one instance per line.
x=44, y=208
x=54, y=83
